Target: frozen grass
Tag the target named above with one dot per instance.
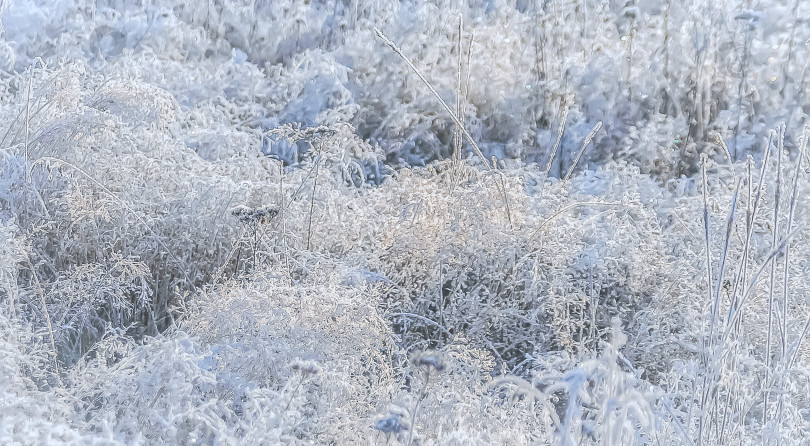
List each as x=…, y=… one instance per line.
x=255, y=223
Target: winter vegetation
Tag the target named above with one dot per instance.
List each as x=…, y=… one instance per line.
x=383, y=222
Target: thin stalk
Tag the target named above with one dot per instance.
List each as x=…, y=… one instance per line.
x=28, y=114
x=802, y=147
x=711, y=368
x=457, y=137
x=751, y=217
x=560, y=131
x=47, y=315
x=312, y=206
x=723, y=257
x=416, y=406
x=742, y=86
x=771, y=278
x=786, y=270
x=582, y=149
x=771, y=256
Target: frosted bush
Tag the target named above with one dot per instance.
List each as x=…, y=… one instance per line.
x=700, y=68
x=253, y=223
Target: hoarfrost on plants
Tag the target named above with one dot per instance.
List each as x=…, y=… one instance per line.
x=419, y=222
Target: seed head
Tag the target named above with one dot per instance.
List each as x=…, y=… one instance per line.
x=392, y=424
x=306, y=367
x=429, y=359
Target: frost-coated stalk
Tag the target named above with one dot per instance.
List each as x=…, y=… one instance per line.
x=582, y=149
x=772, y=281
x=704, y=161
x=416, y=406
x=283, y=220
x=456, y=132
x=705, y=353
x=396, y=49
x=752, y=205
x=41, y=293
x=771, y=257
x=723, y=257
x=28, y=113
x=791, y=212
x=711, y=368
x=457, y=137
x=560, y=131
x=312, y=205
x=750, y=218
x=743, y=78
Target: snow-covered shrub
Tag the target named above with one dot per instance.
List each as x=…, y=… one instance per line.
x=679, y=72
x=209, y=232
x=471, y=273
x=33, y=410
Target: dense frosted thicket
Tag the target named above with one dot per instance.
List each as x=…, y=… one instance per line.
x=250, y=222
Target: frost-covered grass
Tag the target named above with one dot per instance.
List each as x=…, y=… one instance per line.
x=253, y=222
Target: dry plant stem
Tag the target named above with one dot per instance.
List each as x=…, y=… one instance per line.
x=582, y=149
x=734, y=303
x=502, y=185
x=457, y=139
x=791, y=213
x=723, y=146
x=770, y=291
x=236, y=246
x=416, y=406
x=312, y=206
x=775, y=234
x=469, y=64
x=283, y=220
x=705, y=352
x=737, y=313
x=751, y=217
x=282, y=212
x=710, y=369
x=560, y=131
x=47, y=315
x=292, y=397
x=723, y=258
x=28, y=113
x=27, y=108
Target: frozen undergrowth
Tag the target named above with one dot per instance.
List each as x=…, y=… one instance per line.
x=162, y=281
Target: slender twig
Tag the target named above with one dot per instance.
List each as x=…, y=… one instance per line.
x=771, y=277
x=802, y=147
x=560, y=131
x=582, y=149
x=416, y=406
x=47, y=315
